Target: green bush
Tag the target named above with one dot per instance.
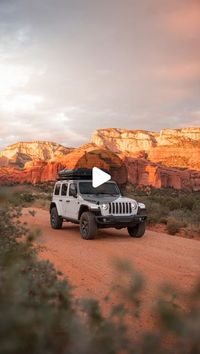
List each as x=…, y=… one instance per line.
x=187, y=202
x=173, y=226
x=173, y=203
x=27, y=197
x=163, y=220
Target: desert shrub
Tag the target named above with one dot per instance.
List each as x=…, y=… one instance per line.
x=192, y=219
x=164, y=203
x=163, y=220
x=178, y=214
x=189, y=219
x=196, y=205
x=46, y=187
x=173, y=226
x=20, y=197
x=41, y=203
x=156, y=212
x=27, y=197
x=187, y=202
x=172, y=203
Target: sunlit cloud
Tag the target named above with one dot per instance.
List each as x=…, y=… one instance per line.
x=20, y=103
x=13, y=77
x=70, y=67
x=183, y=71
x=184, y=19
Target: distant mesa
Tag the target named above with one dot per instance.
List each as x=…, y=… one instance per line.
x=172, y=147
x=20, y=153
x=170, y=158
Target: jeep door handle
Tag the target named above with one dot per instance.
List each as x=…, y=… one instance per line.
x=60, y=200
x=67, y=201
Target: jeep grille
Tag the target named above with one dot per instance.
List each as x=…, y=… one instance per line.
x=120, y=208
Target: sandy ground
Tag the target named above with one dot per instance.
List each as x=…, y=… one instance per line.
x=89, y=264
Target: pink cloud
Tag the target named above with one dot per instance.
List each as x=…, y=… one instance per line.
x=183, y=20
x=181, y=71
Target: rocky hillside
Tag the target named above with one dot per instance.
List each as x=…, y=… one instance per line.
x=132, y=140
x=20, y=153
x=171, y=147
x=170, y=158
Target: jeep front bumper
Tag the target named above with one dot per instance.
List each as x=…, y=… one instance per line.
x=119, y=220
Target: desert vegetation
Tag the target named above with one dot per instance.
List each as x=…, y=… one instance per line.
x=175, y=210
x=27, y=195
x=39, y=314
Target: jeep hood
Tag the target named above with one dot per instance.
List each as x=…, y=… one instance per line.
x=106, y=199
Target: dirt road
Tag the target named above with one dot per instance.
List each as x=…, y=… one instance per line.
x=89, y=264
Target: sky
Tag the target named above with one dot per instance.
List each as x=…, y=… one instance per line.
x=69, y=67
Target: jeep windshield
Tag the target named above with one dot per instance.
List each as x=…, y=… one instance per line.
x=110, y=189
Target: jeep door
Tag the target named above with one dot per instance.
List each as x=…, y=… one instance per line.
x=72, y=203
x=63, y=198
x=57, y=197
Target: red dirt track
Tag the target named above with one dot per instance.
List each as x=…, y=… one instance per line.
x=89, y=264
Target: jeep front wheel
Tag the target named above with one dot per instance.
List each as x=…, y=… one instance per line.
x=88, y=226
x=137, y=230
x=56, y=220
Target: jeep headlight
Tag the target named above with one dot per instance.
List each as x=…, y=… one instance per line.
x=105, y=206
x=134, y=205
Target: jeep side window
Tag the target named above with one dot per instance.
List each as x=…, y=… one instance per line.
x=72, y=189
x=57, y=189
x=64, y=189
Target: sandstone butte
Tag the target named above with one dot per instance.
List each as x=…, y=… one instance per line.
x=170, y=158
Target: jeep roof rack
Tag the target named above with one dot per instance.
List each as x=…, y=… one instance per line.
x=78, y=173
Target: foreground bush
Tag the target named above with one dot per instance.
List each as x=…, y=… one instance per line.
x=173, y=226
x=38, y=314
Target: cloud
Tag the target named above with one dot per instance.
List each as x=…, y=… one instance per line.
x=182, y=20
x=20, y=103
x=72, y=66
x=13, y=77
x=184, y=71
x=193, y=119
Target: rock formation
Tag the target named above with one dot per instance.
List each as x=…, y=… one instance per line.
x=170, y=158
x=171, y=147
x=20, y=153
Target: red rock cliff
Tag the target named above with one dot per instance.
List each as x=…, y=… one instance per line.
x=170, y=158
x=172, y=147
x=18, y=154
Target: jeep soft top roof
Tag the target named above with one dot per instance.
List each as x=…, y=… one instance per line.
x=77, y=174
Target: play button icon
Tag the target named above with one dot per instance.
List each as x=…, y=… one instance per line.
x=99, y=177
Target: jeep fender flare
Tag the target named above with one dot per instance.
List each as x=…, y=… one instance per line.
x=82, y=209
x=85, y=207
x=55, y=205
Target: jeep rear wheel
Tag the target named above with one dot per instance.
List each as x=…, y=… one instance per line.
x=88, y=226
x=137, y=230
x=56, y=220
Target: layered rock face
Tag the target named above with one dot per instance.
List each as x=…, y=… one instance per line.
x=170, y=158
x=121, y=140
x=144, y=173
x=20, y=153
x=171, y=147
x=133, y=140
x=42, y=171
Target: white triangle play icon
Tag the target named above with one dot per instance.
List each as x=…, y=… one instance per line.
x=99, y=177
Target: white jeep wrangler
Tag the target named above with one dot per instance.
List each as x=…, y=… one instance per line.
x=77, y=201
